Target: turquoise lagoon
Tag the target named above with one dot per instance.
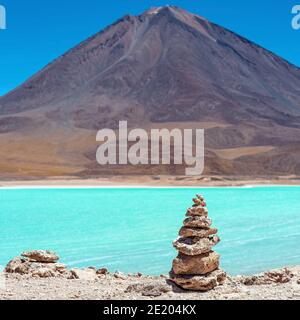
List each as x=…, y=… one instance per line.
x=131, y=229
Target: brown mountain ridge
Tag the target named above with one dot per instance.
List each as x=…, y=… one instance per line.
x=164, y=68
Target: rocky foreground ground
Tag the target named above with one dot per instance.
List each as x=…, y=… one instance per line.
x=37, y=275
x=277, y=284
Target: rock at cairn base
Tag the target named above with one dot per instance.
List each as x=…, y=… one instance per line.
x=197, y=266
x=200, y=283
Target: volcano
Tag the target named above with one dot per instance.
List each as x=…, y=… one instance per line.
x=166, y=68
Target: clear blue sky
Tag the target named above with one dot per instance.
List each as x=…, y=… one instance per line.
x=39, y=31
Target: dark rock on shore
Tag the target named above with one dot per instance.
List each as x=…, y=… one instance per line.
x=37, y=263
x=41, y=256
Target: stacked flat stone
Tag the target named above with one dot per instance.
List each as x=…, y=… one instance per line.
x=197, y=266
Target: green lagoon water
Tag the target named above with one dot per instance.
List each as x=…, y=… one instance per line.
x=132, y=229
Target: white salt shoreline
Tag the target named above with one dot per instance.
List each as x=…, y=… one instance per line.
x=37, y=187
x=150, y=182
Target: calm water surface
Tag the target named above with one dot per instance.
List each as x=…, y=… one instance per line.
x=131, y=230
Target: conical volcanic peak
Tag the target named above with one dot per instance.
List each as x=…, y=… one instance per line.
x=166, y=67
x=172, y=10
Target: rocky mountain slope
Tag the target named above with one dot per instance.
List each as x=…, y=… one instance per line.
x=164, y=68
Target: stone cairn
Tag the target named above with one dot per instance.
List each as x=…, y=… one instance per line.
x=197, y=266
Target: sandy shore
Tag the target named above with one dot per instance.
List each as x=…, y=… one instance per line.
x=284, y=285
x=150, y=181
